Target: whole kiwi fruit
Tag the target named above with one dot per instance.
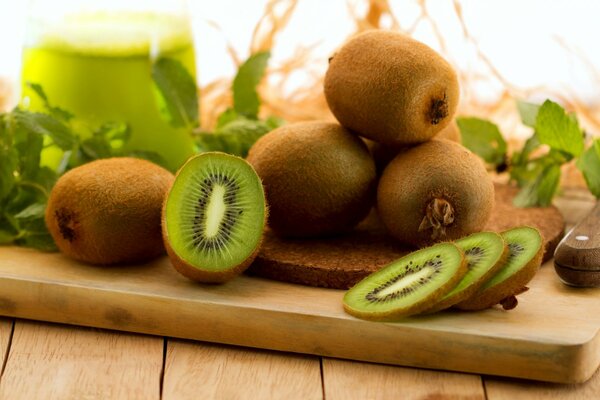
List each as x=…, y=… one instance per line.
x=436, y=191
x=319, y=178
x=390, y=88
x=108, y=211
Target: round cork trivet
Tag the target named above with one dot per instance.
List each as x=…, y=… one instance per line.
x=342, y=261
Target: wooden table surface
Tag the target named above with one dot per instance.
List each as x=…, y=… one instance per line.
x=51, y=361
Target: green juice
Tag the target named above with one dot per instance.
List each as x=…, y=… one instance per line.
x=99, y=68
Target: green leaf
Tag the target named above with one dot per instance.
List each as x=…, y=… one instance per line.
x=45, y=125
x=9, y=159
x=589, y=165
x=176, y=93
x=46, y=178
x=39, y=241
x=528, y=112
x=95, y=148
x=56, y=112
x=226, y=117
x=274, y=122
x=6, y=237
x=117, y=134
x=559, y=130
x=245, y=97
x=483, y=138
x=540, y=191
x=29, y=145
x=234, y=138
x=35, y=210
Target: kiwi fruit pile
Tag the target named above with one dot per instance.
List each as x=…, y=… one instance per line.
x=474, y=273
x=213, y=217
x=108, y=211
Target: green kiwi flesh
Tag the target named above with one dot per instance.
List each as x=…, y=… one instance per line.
x=409, y=285
x=526, y=249
x=214, y=217
x=486, y=253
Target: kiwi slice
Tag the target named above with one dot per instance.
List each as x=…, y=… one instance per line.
x=525, y=245
x=409, y=285
x=486, y=253
x=213, y=217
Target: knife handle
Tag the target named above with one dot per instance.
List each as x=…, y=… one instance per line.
x=577, y=256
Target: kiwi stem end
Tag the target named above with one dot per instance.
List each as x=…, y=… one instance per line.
x=438, y=215
x=438, y=110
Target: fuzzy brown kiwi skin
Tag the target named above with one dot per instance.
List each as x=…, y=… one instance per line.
x=108, y=211
x=470, y=292
x=391, y=88
x=506, y=290
x=384, y=154
x=435, y=182
x=197, y=273
x=319, y=178
x=418, y=307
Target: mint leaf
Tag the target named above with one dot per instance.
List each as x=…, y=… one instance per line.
x=236, y=137
x=540, y=191
x=483, y=138
x=41, y=241
x=56, y=112
x=176, y=93
x=6, y=237
x=8, y=166
x=116, y=134
x=528, y=112
x=589, y=165
x=251, y=72
x=559, y=130
x=226, y=117
x=35, y=210
x=45, y=125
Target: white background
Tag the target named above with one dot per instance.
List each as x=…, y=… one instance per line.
x=525, y=40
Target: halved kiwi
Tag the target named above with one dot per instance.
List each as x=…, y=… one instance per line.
x=486, y=253
x=526, y=249
x=409, y=285
x=213, y=217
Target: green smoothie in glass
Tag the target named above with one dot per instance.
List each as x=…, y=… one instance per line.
x=98, y=66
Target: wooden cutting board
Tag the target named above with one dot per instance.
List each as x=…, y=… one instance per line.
x=552, y=335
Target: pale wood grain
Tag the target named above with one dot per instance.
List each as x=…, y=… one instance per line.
x=347, y=380
x=60, y=362
x=505, y=389
x=206, y=371
x=6, y=325
x=548, y=328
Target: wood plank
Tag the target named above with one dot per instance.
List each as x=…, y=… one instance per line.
x=355, y=380
x=49, y=361
x=6, y=325
x=207, y=371
x=505, y=389
x=554, y=327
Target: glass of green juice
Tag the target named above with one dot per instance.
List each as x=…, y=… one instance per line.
x=94, y=59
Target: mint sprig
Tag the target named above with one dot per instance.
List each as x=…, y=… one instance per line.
x=239, y=127
x=557, y=139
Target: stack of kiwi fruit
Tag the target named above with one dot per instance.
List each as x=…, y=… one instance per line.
x=394, y=148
